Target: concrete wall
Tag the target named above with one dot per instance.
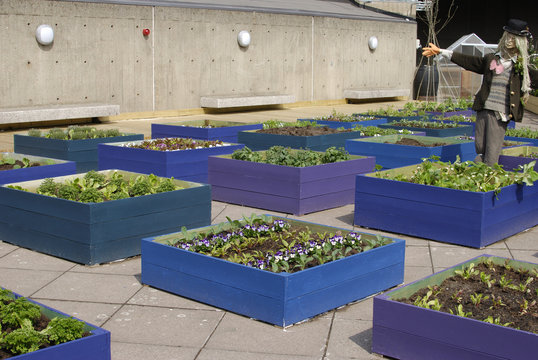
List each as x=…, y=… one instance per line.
x=99, y=55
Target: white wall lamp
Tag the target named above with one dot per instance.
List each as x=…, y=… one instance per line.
x=372, y=43
x=44, y=34
x=243, y=38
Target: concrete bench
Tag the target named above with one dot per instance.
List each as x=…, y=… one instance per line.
x=372, y=94
x=56, y=112
x=230, y=101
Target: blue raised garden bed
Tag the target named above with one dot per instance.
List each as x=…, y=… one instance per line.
x=533, y=142
x=404, y=331
x=288, y=189
x=262, y=141
x=474, y=219
x=277, y=298
x=83, y=152
x=390, y=155
x=460, y=130
x=394, y=118
x=347, y=124
x=202, y=129
x=93, y=233
x=49, y=168
x=512, y=158
x=188, y=165
x=91, y=347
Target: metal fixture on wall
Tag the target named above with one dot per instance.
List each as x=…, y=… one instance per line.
x=372, y=43
x=44, y=34
x=243, y=38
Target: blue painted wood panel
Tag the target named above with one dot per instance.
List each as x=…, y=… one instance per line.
x=226, y=130
x=462, y=130
x=58, y=168
x=262, y=141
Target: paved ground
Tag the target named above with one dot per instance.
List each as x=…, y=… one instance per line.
x=147, y=323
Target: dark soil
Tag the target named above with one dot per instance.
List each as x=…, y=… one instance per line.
x=17, y=162
x=509, y=303
x=413, y=142
x=302, y=131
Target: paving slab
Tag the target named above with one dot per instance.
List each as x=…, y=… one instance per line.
x=162, y=326
x=148, y=296
x=6, y=248
x=447, y=256
x=212, y=354
x=131, y=351
x=26, y=282
x=360, y=310
x=104, y=288
x=130, y=266
x=350, y=339
x=94, y=313
x=28, y=259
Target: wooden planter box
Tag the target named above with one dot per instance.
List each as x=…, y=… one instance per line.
x=277, y=298
x=532, y=142
x=94, y=346
x=287, y=189
x=50, y=168
x=474, y=219
x=462, y=112
x=93, y=233
x=512, y=157
x=190, y=165
x=511, y=124
x=460, y=130
x=221, y=130
x=347, y=124
x=83, y=152
x=404, y=331
x=261, y=141
x=532, y=104
x=394, y=118
x=391, y=155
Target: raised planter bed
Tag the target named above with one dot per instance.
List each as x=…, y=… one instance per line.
x=277, y=298
x=262, y=141
x=202, y=129
x=460, y=130
x=405, y=331
x=512, y=158
x=93, y=233
x=48, y=168
x=295, y=190
x=474, y=219
x=530, y=141
x=348, y=124
x=188, y=164
x=83, y=152
x=94, y=346
x=389, y=154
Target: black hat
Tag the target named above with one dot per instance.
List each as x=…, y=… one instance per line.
x=517, y=27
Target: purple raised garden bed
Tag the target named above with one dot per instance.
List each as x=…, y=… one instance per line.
x=49, y=168
x=294, y=190
x=202, y=129
x=92, y=347
x=511, y=158
x=475, y=219
x=408, y=332
x=277, y=298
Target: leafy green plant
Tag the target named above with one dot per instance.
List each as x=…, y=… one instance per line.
x=14, y=312
x=424, y=124
x=377, y=131
x=273, y=123
x=75, y=132
x=460, y=312
x=279, y=155
x=524, y=132
x=467, y=272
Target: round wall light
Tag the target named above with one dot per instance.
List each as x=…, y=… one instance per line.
x=243, y=38
x=372, y=43
x=44, y=34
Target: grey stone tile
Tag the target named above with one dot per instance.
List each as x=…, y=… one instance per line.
x=130, y=351
x=236, y=212
x=360, y=310
x=91, y=287
x=130, y=266
x=94, y=313
x=26, y=282
x=413, y=273
x=497, y=245
x=27, y=259
x=6, y=248
x=239, y=333
x=417, y=256
x=526, y=255
x=149, y=296
x=162, y=326
x=339, y=217
x=217, y=208
x=444, y=256
x=350, y=338
x=527, y=240
x=213, y=354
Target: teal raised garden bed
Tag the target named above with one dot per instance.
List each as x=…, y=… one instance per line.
x=83, y=152
x=403, y=331
x=202, y=129
x=390, y=155
x=91, y=347
x=93, y=233
x=277, y=298
x=48, y=168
